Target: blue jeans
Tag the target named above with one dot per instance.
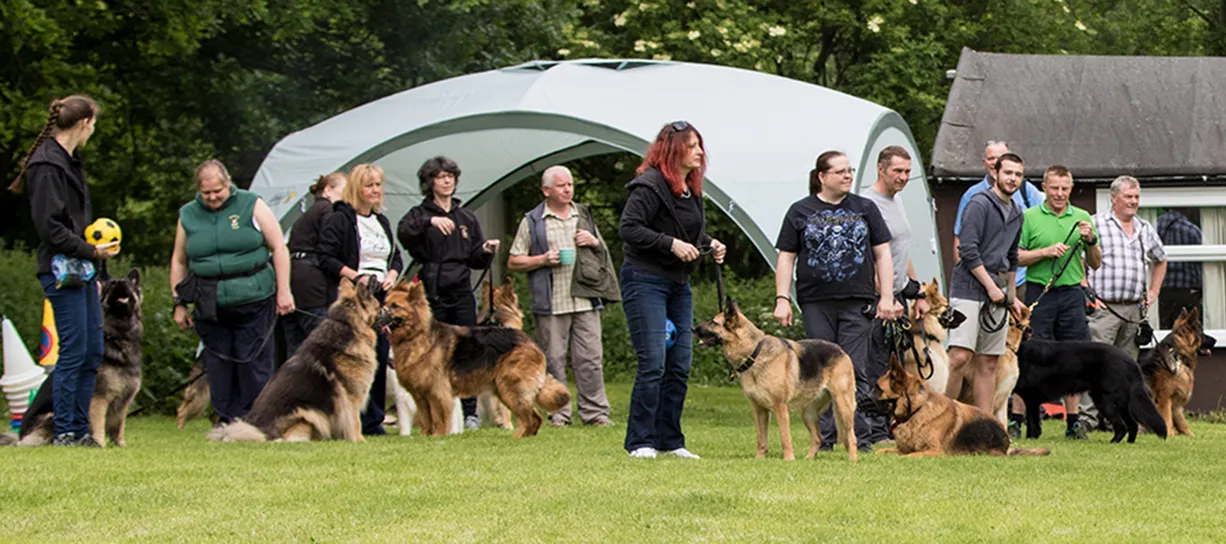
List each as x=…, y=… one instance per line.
x=78, y=320
x=660, y=384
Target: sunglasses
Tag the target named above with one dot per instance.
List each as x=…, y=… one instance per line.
x=680, y=126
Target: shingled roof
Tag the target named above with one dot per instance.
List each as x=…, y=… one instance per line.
x=1150, y=117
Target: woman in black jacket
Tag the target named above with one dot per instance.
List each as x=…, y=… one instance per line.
x=447, y=240
x=308, y=282
x=59, y=204
x=357, y=242
x=662, y=229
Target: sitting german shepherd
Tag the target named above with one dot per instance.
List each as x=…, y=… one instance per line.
x=437, y=362
x=1006, y=369
x=119, y=374
x=503, y=310
x=1170, y=369
x=928, y=335
x=195, y=395
x=777, y=373
x=927, y=423
x=1050, y=370
x=320, y=392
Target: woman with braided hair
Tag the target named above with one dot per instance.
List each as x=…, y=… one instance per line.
x=59, y=204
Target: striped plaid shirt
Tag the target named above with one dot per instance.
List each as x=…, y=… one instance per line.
x=1123, y=277
x=1176, y=230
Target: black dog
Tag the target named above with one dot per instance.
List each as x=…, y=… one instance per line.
x=1051, y=370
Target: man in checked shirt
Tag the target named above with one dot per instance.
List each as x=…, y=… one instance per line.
x=1182, y=288
x=1124, y=286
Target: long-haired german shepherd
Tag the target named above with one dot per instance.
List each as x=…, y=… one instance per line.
x=927, y=423
x=501, y=306
x=436, y=362
x=119, y=374
x=777, y=373
x=320, y=392
x=1050, y=370
x=1170, y=368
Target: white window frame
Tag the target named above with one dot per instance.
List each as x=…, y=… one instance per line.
x=1214, y=285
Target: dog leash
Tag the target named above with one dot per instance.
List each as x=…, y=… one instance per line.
x=1058, y=271
x=898, y=337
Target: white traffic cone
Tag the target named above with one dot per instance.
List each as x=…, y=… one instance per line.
x=21, y=375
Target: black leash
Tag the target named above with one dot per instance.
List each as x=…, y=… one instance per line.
x=1067, y=258
x=899, y=339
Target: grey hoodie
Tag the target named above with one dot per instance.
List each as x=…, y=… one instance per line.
x=991, y=230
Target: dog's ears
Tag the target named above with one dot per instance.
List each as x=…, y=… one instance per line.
x=134, y=276
x=345, y=289
x=732, y=312
x=898, y=374
x=508, y=282
x=417, y=291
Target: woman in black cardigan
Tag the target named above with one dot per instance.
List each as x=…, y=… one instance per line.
x=308, y=282
x=356, y=242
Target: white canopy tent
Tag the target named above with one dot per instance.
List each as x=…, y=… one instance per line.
x=762, y=135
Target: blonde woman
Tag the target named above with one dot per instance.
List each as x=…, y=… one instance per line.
x=357, y=241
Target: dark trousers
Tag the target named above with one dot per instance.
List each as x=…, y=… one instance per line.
x=298, y=327
x=660, y=384
x=457, y=309
x=241, y=335
x=878, y=365
x=78, y=320
x=844, y=323
x=1060, y=315
x=372, y=417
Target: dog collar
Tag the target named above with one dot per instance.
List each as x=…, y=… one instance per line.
x=753, y=358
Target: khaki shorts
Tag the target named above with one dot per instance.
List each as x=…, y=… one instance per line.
x=970, y=334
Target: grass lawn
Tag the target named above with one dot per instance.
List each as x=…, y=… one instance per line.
x=577, y=484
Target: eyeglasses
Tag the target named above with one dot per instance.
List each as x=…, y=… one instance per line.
x=680, y=126
x=843, y=171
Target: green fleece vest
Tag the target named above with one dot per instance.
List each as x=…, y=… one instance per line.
x=225, y=242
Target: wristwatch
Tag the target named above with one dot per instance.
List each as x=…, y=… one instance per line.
x=180, y=302
x=1093, y=242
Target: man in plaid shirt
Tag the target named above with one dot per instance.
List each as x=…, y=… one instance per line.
x=1130, y=245
x=1182, y=288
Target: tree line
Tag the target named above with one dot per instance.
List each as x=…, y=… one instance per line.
x=182, y=81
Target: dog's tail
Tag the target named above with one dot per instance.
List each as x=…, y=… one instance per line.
x=1143, y=410
x=239, y=431
x=1014, y=452
x=553, y=395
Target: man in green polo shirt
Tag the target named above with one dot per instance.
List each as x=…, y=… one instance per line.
x=1056, y=237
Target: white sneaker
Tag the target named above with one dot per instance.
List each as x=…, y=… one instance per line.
x=471, y=423
x=682, y=453
x=644, y=453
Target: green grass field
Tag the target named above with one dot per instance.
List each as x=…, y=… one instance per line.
x=577, y=484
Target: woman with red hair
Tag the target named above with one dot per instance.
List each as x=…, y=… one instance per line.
x=663, y=232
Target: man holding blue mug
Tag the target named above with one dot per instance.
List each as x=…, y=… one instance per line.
x=570, y=275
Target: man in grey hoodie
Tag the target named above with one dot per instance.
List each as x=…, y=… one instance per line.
x=983, y=286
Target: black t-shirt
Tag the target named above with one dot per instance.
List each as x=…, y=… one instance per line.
x=834, y=247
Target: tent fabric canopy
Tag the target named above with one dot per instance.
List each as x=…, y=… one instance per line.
x=1100, y=116
x=762, y=134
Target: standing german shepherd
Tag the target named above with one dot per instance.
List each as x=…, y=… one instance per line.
x=777, y=373
x=437, y=362
x=320, y=392
x=119, y=373
x=927, y=423
x=1170, y=369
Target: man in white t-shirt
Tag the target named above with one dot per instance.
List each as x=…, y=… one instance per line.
x=893, y=174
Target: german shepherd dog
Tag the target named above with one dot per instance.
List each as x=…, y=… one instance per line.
x=320, y=392
x=195, y=395
x=1006, y=369
x=928, y=335
x=502, y=309
x=436, y=362
x=119, y=374
x=777, y=373
x=927, y=423
x=1050, y=370
x=1170, y=368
